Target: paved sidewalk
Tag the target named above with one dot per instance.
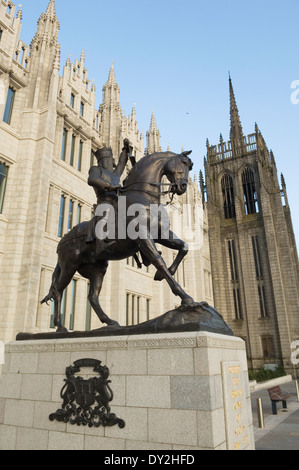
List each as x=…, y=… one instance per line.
x=281, y=431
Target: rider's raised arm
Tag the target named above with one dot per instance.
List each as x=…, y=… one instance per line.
x=123, y=158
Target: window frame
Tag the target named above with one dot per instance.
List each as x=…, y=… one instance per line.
x=3, y=184
x=8, y=110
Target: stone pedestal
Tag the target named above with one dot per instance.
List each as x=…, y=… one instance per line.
x=178, y=391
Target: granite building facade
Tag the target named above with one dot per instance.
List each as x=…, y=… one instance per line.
x=49, y=129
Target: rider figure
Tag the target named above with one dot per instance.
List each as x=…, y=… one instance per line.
x=105, y=179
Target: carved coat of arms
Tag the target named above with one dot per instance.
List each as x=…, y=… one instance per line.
x=86, y=401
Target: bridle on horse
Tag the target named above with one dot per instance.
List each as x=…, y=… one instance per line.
x=151, y=193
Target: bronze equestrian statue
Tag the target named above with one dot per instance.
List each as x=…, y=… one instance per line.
x=80, y=251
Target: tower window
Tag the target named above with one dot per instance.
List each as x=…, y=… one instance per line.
x=235, y=279
x=257, y=257
x=9, y=105
x=232, y=259
x=262, y=299
x=228, y=197
x=250, y=194
x=259, y=276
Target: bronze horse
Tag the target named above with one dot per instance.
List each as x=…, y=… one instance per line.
x=143, y=186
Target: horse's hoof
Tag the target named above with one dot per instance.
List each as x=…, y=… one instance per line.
x=158, y=276
x=113, y=323
x=189, y=302
x=61, y=329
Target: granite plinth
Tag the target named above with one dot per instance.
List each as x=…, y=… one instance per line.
x=174, y=391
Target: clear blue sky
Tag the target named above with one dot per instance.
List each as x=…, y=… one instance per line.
x=173, y=57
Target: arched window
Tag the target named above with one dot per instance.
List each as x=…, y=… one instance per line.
x=227, y=185
x=250, y=194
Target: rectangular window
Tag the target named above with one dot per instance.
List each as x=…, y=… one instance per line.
x=73, y=304
x=237, y=304
x=63, y=306
x=3, y=180
x=9, y=105
x=63, y=146
x=148, y=308
x=257, y=257
x=73, y=150
x=262, y=299
x=88, y=311
x=82, y=109
x=138, y=310
x=79, y=211
x=80, y=155
x=133, y=310
x=52, y=315
x=235, y=279
x=72, y=102
x=61, y=216
x=127, y=308
x=232, y=259
x=1, y=32
x=268, y=347
x=259, y=276
x=70, y=217
x=91, y=159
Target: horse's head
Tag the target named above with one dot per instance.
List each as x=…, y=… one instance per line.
x=177, y=171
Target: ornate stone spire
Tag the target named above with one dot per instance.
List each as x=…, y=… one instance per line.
x=51, y=9
x=153, y=138
x=44, y=57
x=236, y=131
x=111, y=90
x=111, y=78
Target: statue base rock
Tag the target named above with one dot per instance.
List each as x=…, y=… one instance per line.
x=199, y=317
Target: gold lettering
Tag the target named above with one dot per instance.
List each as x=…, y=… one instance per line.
x=239, y=430
x=237, y=393
x=236, y=381
x=237, y=405
x=234, y=369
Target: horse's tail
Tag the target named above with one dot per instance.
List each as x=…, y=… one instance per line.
x=53, y=289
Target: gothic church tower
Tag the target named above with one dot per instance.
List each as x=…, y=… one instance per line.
x=252, y=245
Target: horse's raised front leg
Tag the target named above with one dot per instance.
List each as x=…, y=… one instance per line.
x=149, y=249
x=174, y=243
